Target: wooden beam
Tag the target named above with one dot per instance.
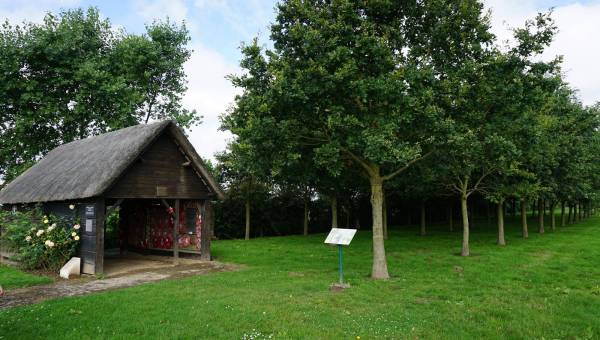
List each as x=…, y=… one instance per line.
x=176, y=233
x=100, y=221
x=207, y=229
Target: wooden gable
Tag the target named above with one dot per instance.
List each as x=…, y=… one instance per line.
x=162, y=171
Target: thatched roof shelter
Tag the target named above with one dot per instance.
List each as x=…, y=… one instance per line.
x=149, y=173
x=88, y=167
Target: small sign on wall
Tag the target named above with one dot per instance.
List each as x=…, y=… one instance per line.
x=90, y=211
x=89, y=225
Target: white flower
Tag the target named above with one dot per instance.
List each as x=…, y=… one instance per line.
x=46, y=221
x=49, y=244
x=71, y=206
x=73, y=234
x=40, y=232
x=76, y=238
x=50, y=228
x=76, y=227
x=28, y=238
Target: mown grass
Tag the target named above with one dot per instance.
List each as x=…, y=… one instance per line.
x=11, y=278
x=543, y=287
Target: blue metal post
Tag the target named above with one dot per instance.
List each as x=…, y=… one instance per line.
x=341, y=266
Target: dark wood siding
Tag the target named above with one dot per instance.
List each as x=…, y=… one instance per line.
x=160, y=173
x=91, y=249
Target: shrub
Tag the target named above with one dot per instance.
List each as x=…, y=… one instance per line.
x=39, y=241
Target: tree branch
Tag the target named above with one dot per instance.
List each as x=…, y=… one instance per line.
x=359, y=161
x=406, y=166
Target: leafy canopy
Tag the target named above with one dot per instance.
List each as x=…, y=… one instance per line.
x=74, y=75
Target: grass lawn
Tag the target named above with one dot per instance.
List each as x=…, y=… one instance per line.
x=13, y=278
x=545, y=287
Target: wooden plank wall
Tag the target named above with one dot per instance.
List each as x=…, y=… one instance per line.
x=162, y=171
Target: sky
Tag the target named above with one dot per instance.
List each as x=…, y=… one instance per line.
x=219, y=27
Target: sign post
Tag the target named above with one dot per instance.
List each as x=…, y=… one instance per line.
x=340, y=237
x=341, y=263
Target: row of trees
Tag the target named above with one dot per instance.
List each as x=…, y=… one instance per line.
x=416, y=99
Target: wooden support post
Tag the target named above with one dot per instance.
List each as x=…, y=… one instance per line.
x=176, y=233
x=100, y=224
x=207, y=230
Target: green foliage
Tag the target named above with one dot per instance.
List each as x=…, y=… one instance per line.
x=74, y=76
x=40, y=242
x=352, y=81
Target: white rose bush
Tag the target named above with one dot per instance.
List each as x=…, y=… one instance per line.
x=40, y=241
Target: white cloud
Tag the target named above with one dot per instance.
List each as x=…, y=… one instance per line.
x=578, y=25
x=159, y=9
x=210, y=94
x=247, y=19
x=31, y=11
x=578, y=28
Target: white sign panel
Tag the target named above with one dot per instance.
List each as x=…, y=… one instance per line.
x=340, y=236
x=89, y=225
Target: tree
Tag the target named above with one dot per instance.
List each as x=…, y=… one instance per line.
x=351, y=84
x=74, y=75
x=239, y=176
x=494, y=110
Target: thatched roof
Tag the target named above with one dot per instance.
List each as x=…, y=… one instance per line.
x=88, y=167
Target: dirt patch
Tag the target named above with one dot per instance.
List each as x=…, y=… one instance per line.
x=89, y=284
x=543, y=255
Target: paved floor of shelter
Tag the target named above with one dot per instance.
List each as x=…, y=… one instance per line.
x=120, y=273
x=118, y=265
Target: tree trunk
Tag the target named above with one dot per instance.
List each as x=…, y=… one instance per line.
x=385, y=226
x=513, y=209
x=524, y=217
x=580, y=210
x=570, y=216
x=247, y=236
x=552, y=216
x=379, y=270
x=541, y=215
x=501, y=240
x=450, y=218
x=562, y=213
x=423, y=221
x=334, y=212
x=348, y=212
x=305, y=226
x=488, y=214
x=465, y=220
